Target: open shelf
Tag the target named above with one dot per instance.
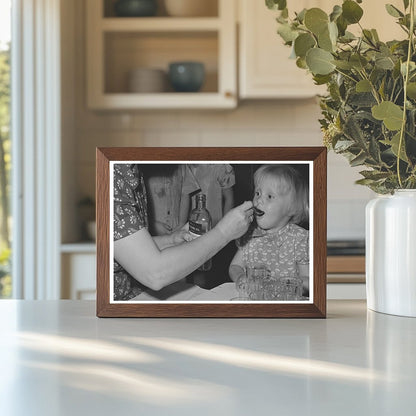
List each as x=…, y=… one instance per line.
x=160, y=24
x=127, y=51
x=210, y=9
x=118, y=45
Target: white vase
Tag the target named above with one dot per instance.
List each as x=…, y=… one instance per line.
x=391, y=253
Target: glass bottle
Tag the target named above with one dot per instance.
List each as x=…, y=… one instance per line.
x=200, y=222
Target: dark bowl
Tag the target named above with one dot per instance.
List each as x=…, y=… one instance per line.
x=186, y=76
x=135, y=8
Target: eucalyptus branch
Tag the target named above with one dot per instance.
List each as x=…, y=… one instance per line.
x=406, y=80
x=397, y=95
x=392, y=91
x=346, y=75
x=363, y=59
x=373, y=88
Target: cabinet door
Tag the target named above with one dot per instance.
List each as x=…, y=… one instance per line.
x=78, y=276
x=266, y=71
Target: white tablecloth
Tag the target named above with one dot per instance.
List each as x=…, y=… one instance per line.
x=184, y=291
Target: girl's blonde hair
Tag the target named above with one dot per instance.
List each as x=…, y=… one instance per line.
x=288, y=180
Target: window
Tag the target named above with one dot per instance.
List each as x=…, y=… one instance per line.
x=5, y=147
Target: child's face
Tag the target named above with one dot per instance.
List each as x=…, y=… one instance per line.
x=271, y=208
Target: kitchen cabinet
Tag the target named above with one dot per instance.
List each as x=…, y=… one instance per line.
x=118, y=45
x=265, y=70
x=78, y=263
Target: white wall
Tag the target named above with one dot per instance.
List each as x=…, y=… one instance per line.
x=253, y=123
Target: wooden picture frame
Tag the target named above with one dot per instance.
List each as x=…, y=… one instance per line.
x=313, y=159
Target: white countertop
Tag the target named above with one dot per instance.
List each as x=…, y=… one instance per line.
x=57, y=358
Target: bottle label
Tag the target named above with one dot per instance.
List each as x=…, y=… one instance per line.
x=196, y=228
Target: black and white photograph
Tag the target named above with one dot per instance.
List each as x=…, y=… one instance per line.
x=239, y=232
x=214, y=230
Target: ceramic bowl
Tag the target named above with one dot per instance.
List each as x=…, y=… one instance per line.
x=191, y=8
x=186, y=76
x=147, y=80
x=135, y=8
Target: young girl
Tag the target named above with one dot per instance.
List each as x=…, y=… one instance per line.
x=277, y=242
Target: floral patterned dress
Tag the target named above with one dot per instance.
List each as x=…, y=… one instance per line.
x=281, y=252
x=130, y=216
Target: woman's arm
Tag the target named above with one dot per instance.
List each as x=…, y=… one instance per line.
x=177, y=237
x=236, y=268
x=227, y=199
x=155, y=268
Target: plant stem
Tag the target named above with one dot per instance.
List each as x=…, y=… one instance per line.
x=373, y=88
x=346, y=75
x=405, y=81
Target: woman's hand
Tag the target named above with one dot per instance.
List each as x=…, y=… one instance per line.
x=182, y=235
x=236, y=222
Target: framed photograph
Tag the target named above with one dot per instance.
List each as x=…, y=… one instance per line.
x=211, y=232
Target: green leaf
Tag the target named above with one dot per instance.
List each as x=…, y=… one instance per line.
x=393, y=11
x=336, y=12
x=412, y=67
x=342, y=25
x=325, y=42
x=319, y=61
x=301, y=63
x=368, y=36
x=411, y=123
x=358, y=160
x=353, y=131
x=405, y=21
x=344, y=65
x=391, y=114
x=396, y=70
x=374, y=174
x=321, y=79
x=276, y=4
x=374, y=150
x=333, y=32
x=351, y=11
x=411, y=90
x=316, y=20
x=406, y=4
x=347, y=37
x=363, y=86
x=384, y=62
x=303, y=43
x=343, y=145
x=362, y=99
x=301, y=15
x=395, y=141
x=381, y=89
x=281, y=19
x=358, y=61
x=375, y=35
x=287, y=33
